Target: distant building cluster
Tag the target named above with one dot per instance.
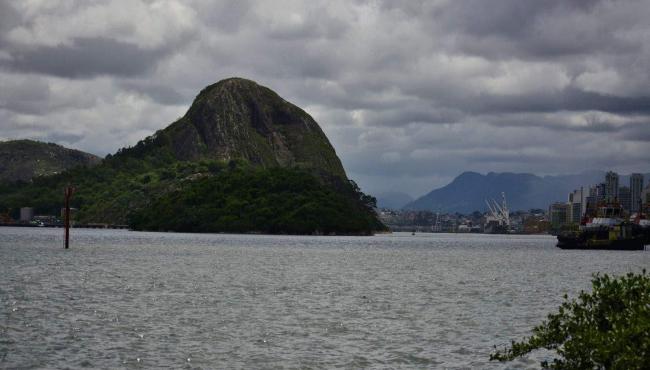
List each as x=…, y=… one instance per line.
x=27, y=216
x=584, y=203
x=524, y=222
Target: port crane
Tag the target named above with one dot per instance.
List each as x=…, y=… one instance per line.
x=499, y=212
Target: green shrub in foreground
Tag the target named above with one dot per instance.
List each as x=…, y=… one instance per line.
x=608, y=328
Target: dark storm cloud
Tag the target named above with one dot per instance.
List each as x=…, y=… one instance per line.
x=33, y=95
x=226, y=16
x=25, y=97
x=638, y=132
x=9, y=17
x=163, y=94
x=533, y=29
x=416, y=114
x=86, y=57
x=410, y=93
x=587, y=123
x=570, y=99
x=69, y=139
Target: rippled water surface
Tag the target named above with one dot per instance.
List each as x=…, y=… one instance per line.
x=121, y=299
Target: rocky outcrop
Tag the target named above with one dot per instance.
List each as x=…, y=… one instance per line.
x=239, y=119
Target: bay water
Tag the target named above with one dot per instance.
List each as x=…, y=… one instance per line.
x=122, y=299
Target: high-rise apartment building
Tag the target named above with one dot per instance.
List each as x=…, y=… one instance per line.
x=611, y=187
x=636, y=189
x=645, y=195
x=625, y=198
x=595, y=198
x=557, y=213
x=577, y=205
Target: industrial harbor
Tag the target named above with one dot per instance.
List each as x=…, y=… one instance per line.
x=589, y=207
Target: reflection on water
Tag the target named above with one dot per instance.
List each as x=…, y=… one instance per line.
x=127, y=299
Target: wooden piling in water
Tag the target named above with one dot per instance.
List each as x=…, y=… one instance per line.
x=68, y=194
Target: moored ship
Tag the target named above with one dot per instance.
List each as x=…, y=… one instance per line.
x=625, y=236
x=610, y=233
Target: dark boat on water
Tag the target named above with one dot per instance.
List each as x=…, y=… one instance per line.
x=624, y=237
x=611, y=232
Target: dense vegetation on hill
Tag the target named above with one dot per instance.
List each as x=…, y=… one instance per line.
x=275, y=200
x=22, y=160
x=202, y=196
x=104, y=193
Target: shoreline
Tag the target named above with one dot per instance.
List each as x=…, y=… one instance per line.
x=125, y=227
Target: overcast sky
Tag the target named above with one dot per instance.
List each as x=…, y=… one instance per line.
x=410, y=95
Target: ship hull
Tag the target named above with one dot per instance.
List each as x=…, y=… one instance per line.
x=564, y=242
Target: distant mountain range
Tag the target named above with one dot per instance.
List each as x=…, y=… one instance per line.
x=22, y=160
x=468, y=192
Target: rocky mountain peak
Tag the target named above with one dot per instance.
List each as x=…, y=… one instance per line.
x=237, y=118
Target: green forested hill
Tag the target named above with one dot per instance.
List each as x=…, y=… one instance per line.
x=202, y=196
x=251, y=163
